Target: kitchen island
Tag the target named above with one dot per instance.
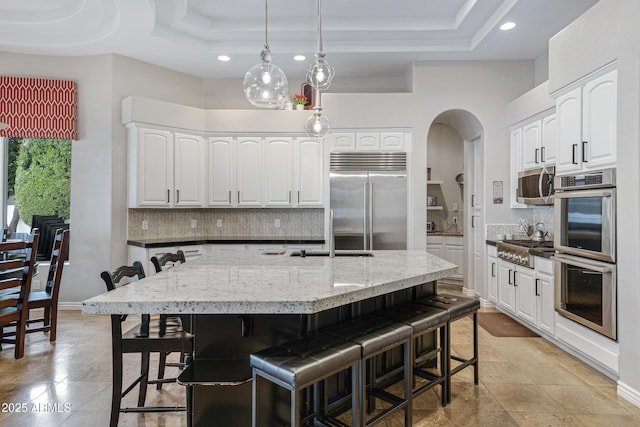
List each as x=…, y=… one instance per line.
x=245, y=300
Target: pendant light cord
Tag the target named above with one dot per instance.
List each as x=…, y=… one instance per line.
x=266, y=23
x=320, y=26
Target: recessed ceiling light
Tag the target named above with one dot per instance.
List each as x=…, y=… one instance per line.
x=299, y=57
x=508, y=26
x=224, y=58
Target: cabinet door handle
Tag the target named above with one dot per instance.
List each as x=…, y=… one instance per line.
x=537, y=290
x=229, y=196
x=515, y=283
x=542, y=159
x=298, y=196
x=510, y=281
x=493, y=269
x=584, y=151
x=289, y=196
x=177, y=196
x=473, y=200
x=168, y=196
x=238, y=196
x=574, y=147
x=536, y=155
x=473, y=221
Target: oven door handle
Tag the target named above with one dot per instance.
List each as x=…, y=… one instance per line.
x=600, y=267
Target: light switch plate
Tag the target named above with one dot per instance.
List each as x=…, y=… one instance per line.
x=145, y=224
x=194, y=223
x=277, y=223
x=219, y=223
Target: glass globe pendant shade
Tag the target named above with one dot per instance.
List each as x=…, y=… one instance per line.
x=320, y=74
x=317, y=124
x=265, y=84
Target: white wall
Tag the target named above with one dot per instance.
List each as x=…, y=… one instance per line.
x=445, y=151
x=606, y=32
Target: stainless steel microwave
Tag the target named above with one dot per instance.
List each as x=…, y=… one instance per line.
x=535, y=186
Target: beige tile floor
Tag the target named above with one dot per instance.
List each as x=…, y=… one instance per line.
x=523, y=381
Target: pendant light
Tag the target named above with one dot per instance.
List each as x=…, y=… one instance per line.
x=317, y=125
x=321, y=72
x=265, y=84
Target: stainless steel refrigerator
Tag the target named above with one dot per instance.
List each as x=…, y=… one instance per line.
x=369, y=200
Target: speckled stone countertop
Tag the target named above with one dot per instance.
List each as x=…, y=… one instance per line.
x=252, y=282
x=168, y=241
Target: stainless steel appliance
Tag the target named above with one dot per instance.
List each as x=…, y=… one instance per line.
x=585, y=238
x=586, y=292
x=519, y=251
x=535, y=186
x=585, y=215
x=368, y=192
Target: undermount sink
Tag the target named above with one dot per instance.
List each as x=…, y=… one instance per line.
x=303, y=253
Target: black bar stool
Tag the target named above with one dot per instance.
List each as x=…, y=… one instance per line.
x=425, y=320
x=302, y=363
x=377, y=335
x=458, y=307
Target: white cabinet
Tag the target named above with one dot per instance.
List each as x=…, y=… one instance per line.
x=273, y=171
x=539, y=142
x=450, y=248
x=587, y=120
x=309, y=171
x=165, y=169
x=222, y=186
x=278, y=168
x=368, y=140
x=516, y=166
x=545, y=290
x=516, y=290
x=492, y=274
x=189, y=170
x=249, y=171
x=531, y=141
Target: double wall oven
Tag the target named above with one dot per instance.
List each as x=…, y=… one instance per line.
x=585, y=241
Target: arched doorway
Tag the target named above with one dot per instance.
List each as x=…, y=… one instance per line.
x=464, y=134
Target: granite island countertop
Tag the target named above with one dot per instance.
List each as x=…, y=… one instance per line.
x=254, y=282
x=162, y=242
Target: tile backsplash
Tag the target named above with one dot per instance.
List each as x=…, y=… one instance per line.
x=541, y=214
x=235, y=223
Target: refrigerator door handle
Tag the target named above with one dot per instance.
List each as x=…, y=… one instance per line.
x=370, y=216
x=364, y=217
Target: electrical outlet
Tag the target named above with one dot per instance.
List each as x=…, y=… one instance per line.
x=219, y=223
x=455, y=219
x=145, y=224
x=277, y=223
x=194, y=223
x=455, y=207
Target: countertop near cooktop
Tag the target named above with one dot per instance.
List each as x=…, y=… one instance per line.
x=187, y=241
x=544, y=253
x=444, y=233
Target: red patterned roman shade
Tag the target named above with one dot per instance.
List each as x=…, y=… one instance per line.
x=38, y=108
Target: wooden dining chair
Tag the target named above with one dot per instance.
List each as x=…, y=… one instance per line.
x=149, y=336
x=15, y=284
x=159, y=262
x=48, y=299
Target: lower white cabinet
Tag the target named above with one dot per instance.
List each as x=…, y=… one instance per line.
x=450, y=248
x=492, y=274
x=545, y=290
x=524, y=292
x=516, y=290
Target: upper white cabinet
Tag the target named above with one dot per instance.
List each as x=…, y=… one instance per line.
x=531, y=139
x=272, y=171
x=368, y=141
x=587, y=119
x=189, y=170
x=549, y=142
x=165, y=169
x=249, y=171
x=539, y=141
x=278, y=176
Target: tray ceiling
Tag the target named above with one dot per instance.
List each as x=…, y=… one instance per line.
x=361, y=37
